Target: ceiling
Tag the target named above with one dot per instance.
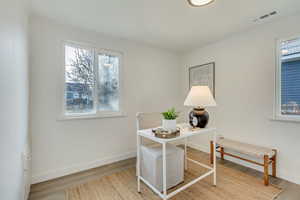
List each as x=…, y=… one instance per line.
x=170, y=24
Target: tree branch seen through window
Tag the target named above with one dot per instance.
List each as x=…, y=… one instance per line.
x=86, y=91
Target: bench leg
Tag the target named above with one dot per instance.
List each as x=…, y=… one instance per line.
x=274, y=163
x=266, y=170
x=222, y=153
x=211, y=152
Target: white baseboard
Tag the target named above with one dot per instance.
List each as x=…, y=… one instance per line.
x=199, y=147
x=287, y=176
x=80, y=167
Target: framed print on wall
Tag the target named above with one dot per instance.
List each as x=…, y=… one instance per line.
x=203, y=75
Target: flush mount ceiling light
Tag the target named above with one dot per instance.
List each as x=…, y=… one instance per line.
x=198, y=3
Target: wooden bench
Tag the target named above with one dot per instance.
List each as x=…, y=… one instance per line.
x=268, y=155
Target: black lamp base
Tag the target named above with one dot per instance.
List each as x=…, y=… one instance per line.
x=198, y=118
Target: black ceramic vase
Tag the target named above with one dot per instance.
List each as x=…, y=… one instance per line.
x=198, y=117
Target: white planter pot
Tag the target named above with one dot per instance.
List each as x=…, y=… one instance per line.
x=169, y=125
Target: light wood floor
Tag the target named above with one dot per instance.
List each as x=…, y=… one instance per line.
x=55, y=189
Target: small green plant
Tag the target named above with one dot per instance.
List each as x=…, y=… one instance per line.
x=170, y=114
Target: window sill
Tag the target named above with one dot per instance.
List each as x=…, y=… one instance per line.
x=90, y=116
x=286, y=118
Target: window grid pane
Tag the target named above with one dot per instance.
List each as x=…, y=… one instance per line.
x=290, y=77
x=79, y=80
x=108, y=82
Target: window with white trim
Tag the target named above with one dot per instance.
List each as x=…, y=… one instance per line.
x=91, y=81
x=288, y=80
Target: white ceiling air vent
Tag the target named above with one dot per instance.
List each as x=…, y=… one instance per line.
x=263, y=17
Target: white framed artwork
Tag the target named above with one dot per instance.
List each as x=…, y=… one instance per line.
x=203, y=75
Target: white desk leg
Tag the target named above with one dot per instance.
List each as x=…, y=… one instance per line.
x=138, y=165
x=215, y=160
x=185, y=153
x=164, y=170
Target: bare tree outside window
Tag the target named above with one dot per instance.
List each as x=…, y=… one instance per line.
x=91, y=87
x=80, y=80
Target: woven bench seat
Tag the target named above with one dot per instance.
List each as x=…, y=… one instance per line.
x=244, y=148
x=268, y=155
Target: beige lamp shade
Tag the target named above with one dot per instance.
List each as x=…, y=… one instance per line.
x=200, y=96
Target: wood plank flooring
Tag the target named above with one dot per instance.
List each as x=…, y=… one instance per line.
x=55, y=189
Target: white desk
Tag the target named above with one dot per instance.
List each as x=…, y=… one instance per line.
x=185, y=133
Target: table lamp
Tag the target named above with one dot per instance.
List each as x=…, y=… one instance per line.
x=199, y=97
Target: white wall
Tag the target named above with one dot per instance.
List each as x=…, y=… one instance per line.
x=245, y=67
x=62, y=147
x=14, y=97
